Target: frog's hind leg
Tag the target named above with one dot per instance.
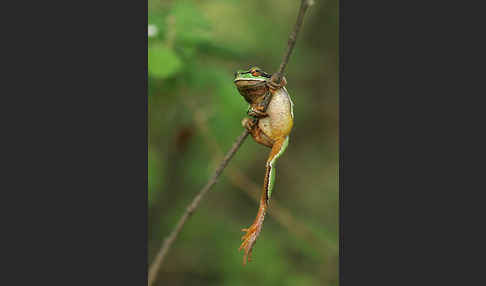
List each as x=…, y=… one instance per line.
x=256, y=132
x=252, y=233
x=278, y=149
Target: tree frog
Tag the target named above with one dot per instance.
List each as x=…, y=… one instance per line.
x=270, y=128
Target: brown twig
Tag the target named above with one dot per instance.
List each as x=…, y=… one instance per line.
x=191, y=208
x=277, y=77
x=154, y=268
x=304, y=4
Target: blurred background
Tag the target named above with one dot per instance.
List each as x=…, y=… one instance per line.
x=195, y=116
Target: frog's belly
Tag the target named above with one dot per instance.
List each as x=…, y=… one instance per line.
x=279, y=121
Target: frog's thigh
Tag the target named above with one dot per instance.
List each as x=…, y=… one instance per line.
x=260, y=137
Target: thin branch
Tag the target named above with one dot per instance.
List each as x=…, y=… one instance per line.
x=191, y=208
x=304, y=4
x=154, y=268
x=277, y=77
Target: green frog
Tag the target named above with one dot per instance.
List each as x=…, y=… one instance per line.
x=271, y=128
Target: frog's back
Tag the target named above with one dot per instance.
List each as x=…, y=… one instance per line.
x=280, y=115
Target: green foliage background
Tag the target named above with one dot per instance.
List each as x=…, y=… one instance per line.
x=191, y=61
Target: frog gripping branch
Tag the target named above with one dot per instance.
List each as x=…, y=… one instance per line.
x=270, y=125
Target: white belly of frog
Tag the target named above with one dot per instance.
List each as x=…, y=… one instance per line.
x=279, y=114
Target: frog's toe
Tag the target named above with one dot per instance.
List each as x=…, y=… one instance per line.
x=244, y=121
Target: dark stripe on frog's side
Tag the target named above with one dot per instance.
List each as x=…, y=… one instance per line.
x=266, y=183
x=277, y=150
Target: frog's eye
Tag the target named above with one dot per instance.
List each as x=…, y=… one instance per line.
x=255, y=73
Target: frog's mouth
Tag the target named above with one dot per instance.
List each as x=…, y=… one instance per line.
x=249, y=83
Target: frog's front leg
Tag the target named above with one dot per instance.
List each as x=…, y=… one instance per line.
x=256, y=112
x=252, y=126
x=263, y=104
x=274, y=86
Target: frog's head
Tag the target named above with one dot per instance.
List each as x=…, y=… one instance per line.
x=251, y=84
x=250, y=77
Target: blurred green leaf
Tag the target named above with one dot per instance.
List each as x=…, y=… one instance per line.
x=163, y=62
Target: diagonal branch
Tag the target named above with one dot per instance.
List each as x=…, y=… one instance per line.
x=304, y=4
x=277, y=77
x=191, y=208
